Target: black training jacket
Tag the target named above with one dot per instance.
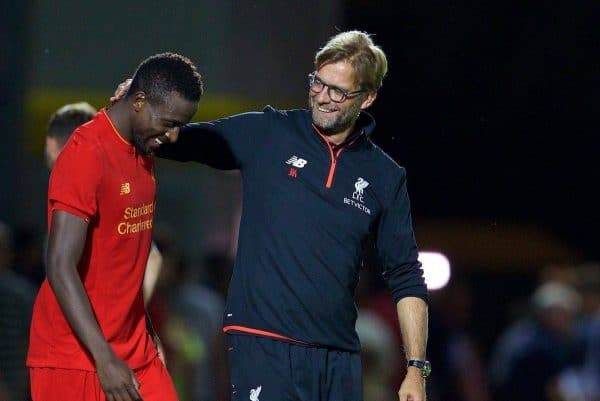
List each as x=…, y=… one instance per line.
x=307, y=211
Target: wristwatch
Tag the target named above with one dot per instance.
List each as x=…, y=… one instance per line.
x=425, y=366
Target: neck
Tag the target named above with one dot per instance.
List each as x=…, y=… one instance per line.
x=337, y=137
x=119, y=115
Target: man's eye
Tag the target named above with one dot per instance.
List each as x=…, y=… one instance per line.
x=338, y=92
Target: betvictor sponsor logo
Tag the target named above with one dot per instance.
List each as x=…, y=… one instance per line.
x=358, y=196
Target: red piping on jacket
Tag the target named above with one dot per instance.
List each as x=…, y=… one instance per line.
x=333, y=155
x=262, y=333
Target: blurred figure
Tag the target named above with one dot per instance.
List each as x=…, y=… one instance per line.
x=531, y=354
x=189, y=320
x=588, y=285
x=29, y=253
x=590, y=288
x=591, y=367
x=582, y=383
x=62, y=124
x=193, y=332
x=16, y=303
x=462, y=369
x=379, y=351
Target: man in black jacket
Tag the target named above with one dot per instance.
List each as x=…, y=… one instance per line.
x=314, y=188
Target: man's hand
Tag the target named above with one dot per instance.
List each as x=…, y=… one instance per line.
x=121, y=91
x=413, y=386
x=117, y=380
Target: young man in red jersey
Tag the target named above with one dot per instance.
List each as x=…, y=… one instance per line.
x=89, y=337
x=61, y=125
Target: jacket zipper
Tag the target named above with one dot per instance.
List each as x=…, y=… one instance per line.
x=334, y=157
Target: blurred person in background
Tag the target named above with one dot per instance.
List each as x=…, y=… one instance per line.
x=591, y=366
x=588, y=285
x=29, y=253
x=89, y=330
x=454, y=348
x=187, y=314
x=379, y=349
x=582, y=382
x=16, y=304
x=589, y=274
x=314, y=188
x=529, y=357
x=61, y=125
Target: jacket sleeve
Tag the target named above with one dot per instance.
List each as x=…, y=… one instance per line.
x=397, y=248
x=225, y=144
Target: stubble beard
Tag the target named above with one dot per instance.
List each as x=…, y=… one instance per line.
x=140, y=145
x=344, y=119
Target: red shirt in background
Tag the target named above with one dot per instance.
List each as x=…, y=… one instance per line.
x=100, y=178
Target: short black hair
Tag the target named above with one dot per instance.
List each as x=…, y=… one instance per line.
x=70, y=116
x=163, y=73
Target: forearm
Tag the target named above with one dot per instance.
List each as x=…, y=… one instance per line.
x=65, y=245
x=202, y=143
x=75, y=305
x=153, y=267
x=413, y=320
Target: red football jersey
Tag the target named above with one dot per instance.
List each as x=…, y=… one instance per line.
x=100, y=178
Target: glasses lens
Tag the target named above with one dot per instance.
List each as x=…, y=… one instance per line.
x=336, y=94
x=315, y=84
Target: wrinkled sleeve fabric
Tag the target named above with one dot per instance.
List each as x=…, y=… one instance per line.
x=226, y=144
x=396, y=245
x=75, y=179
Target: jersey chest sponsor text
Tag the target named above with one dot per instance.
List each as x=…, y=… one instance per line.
x=133, y=205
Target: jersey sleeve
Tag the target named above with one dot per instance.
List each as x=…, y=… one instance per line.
x=75, y=178
x=397, y=247
x=228, y=143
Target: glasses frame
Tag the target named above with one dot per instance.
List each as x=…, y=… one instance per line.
x=312, y=77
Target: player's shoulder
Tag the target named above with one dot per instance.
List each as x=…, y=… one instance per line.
x=84, y=143
x=88, y=136
x=299, y=114
x=386, y=163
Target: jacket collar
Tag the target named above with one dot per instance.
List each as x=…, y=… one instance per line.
x=363, y=129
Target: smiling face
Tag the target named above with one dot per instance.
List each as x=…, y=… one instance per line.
x=152, y=122
x=337, y=118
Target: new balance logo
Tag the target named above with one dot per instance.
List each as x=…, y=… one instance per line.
x=125, y=188
x=254, y=393
x=296, y=161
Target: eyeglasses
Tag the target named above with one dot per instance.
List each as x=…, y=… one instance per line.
x=336, y=94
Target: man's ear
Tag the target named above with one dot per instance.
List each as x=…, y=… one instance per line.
x=371, y=96
x=139, y=101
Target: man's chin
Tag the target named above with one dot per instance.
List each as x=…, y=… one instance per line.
x=143, y=150
x=327, y=129
x=322, y=125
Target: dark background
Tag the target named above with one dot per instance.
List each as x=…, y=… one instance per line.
x=493, y=108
